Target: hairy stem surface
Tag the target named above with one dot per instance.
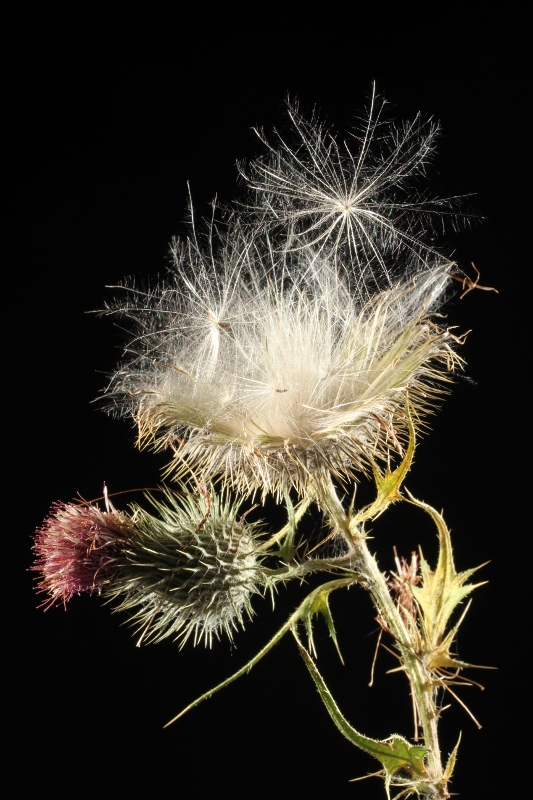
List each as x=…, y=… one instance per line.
x=413, y=663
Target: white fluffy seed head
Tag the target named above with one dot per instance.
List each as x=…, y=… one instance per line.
x=290, y=346
x=290, y=377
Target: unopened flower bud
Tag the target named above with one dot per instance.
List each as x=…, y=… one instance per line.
x=190, y=570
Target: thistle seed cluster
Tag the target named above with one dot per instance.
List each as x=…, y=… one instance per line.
x=286, y=347
x=292, y=379
x=355, y=201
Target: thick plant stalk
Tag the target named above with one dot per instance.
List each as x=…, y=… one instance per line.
x=414, y=663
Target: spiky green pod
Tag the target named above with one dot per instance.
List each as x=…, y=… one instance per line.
x=191, y=570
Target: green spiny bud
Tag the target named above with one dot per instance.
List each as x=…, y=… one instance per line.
x=191, y=570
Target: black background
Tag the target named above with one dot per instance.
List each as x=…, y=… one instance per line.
x=105, y=130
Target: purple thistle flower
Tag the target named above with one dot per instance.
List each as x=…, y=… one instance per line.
x=75, y=549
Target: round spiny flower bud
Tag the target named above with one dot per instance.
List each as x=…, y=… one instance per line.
x=190, y=571
x=77, y=549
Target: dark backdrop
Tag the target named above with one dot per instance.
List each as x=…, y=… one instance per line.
x=104, y=132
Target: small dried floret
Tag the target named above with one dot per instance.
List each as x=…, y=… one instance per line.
x=406, y=575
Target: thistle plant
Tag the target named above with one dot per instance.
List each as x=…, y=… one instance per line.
x=297, y=346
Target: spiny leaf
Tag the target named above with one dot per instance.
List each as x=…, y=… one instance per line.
x=388, y=484
x=395, y=754
x=287, y=534
x=440, y=593
x=287, y=547
x=319, y=604
x=312, y=604
x=450, y=766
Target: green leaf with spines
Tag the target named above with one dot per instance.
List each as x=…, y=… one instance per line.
x=450, y=764
x=285, y=537
x=318, y=603
x=442, y=590
x=388, y=483
x=287, y=548
x=315, y=602
x=396, y=754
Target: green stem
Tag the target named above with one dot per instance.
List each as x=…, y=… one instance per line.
x=413, y=663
